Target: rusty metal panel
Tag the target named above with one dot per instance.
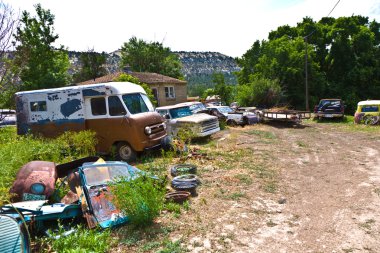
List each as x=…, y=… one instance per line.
x=36, y=173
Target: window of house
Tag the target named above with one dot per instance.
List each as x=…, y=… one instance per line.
x=115, y=106
x=38, y=106
x=98, y=106
x=169, y=92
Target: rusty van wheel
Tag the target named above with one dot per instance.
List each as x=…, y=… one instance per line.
x=125, y=152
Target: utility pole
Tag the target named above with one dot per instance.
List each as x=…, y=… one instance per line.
x=306, y=77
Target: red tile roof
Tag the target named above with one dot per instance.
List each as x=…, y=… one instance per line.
x=144, y=77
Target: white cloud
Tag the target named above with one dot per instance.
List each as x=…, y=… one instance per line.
x=225, y=26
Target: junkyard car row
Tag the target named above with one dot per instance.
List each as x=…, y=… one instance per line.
x=124, y=119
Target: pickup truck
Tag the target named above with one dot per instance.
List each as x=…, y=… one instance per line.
x=329, y=108
x=180, y=116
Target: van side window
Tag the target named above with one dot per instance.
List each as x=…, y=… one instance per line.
x=38, y=106
x=98, y=106
x=115, y=107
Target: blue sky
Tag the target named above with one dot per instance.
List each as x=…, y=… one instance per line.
x=225, y=26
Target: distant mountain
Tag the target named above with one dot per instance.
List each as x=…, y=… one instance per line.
x=198, y=67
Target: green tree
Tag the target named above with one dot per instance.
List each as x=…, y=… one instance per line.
x=259, y=92
x=128, y=78
x=92, y=66
x=153, y=57
x=208, y=92
x=225, y=92
x=343, y=60
x=40, y=64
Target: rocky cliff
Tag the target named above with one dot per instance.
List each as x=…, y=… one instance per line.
x=198, y=67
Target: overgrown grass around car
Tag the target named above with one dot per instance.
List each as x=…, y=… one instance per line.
x=16, y=151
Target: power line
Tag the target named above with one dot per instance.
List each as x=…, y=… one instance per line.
x=333, y=8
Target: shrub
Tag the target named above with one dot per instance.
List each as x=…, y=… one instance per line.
x=140, y=199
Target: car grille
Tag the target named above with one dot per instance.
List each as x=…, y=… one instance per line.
x=10, y=236
x=157, y=128
x=209, y=125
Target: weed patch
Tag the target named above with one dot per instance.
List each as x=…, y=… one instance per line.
x=82, y=240
x=140, y=199
x=15, y=151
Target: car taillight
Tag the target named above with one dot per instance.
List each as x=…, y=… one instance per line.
x=316, y=108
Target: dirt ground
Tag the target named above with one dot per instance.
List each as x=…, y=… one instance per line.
x=276, y=188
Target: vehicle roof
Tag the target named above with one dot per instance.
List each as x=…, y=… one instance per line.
x=337, y=99
x=190, y=103
x=369, y=102
x=218, y=106
x=115, y=87
x=7, y=110
x=167, y=107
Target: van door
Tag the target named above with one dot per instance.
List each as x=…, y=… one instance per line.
x=106, y=116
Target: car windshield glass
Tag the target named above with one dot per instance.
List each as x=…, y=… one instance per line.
x=197, y=107
x=103, y=174
x=225, y=109
x=180, y=112
x=137, y=103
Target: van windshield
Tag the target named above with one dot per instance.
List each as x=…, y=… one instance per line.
x=137, y=103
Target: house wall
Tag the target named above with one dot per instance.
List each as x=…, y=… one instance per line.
x=180, y=91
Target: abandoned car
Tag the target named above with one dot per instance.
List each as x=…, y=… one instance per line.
x=329, y=108
x=368, y=112
x=181, y=117
x=7, y=117
x=90, y=185
x=120, y=113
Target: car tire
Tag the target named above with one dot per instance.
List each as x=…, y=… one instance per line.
x=180, y=169
x=124, y=152
x=231, y=123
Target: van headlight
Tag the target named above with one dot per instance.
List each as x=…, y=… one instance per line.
x=164, y=125
x=148, y=130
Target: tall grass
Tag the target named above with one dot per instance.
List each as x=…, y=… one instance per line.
x=82, y=240
x=16, y=151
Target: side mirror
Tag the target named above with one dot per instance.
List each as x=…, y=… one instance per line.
x=167, y=116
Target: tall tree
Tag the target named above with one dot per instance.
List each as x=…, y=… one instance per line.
x=225, y=92
x=41, y=65
x=142, y=56
x=8, y=77
x=342, y=60
x=92, y=66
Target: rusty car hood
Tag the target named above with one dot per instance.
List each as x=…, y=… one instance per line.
x=196, y=118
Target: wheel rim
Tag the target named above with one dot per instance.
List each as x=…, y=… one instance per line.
x=125, y=152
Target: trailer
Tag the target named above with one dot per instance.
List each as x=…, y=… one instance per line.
x=292, y=116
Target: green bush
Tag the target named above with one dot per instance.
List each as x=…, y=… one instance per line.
x=140, y=199
x=15, y=151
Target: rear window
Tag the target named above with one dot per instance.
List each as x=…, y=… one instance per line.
x=330, y=103
x=370, y=108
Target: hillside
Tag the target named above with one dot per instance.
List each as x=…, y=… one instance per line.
x=198, y=67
